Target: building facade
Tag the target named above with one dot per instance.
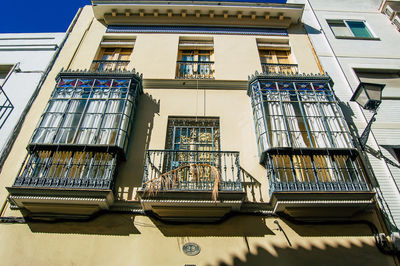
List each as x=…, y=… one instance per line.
x=360, y=45
x=190, y=133
x=24, y=63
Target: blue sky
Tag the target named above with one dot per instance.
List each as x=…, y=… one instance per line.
x=48, y=16
x=38, y=16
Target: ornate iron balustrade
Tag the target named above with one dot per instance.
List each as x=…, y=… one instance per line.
x=316, y=173
x=280, y=68
x=6, y=107
x=195, y=70
x=107, y=65
x=191, y=171
x=67, y=169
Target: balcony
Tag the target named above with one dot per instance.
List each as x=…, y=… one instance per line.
x=75, y=149
x=48, y=169
x=280, y=68
x=6, y=107
x=191, y=184
x=306, y=148
x=109, y=65
x=195, y=70
x=316, y=173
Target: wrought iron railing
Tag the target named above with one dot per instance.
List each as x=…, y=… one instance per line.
x=108, y=65
x=316, y=173
x=195, y=70
x=170, y=170
x=67, y=169
x=6, y=107
x=280, y=68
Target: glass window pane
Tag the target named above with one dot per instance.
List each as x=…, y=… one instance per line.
x=340, y=29
x=359, y=29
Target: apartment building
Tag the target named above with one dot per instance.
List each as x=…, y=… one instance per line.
x=359, y=45
x=24, y=62
x=189, y=133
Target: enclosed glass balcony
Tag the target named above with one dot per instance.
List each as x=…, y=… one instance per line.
x=302, y=136
x=94, y=111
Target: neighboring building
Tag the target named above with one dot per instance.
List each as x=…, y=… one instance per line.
x=356, y=43
x=189, y=133
x=24, y=62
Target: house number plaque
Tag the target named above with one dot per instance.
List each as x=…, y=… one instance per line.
x=191, y=249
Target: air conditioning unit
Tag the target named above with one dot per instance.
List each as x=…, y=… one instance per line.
x=396, y=22
x=389, y=12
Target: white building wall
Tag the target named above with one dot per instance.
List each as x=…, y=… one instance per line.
x=339, y=58
x=32, y=52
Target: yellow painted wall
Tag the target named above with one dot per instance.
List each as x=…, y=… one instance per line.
x=116, y=239
x=124, y=239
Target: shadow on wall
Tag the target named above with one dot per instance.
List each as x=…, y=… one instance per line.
x=344, y=253
x=311, y=30
x=355, y=134
x=244, y=226
x=251, y=186
x=301, y=29
x=348, y=116
x=106, y=224
x=130, y=172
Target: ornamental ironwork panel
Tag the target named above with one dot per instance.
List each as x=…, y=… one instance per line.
x=6, y=107
x=67, y=169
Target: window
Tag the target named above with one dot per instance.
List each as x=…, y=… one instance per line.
x=113, y=55
x=276, y=61
x=88, y=112
x=195, y=138
x=303, y=139
x=4, y=70
x=389, y=77
x=350, y=29
x=192, y=160
x=195, y=59
x=298, y=115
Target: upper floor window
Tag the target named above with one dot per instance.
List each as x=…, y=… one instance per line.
x=195, y=59
x=113, y=55
x=89, y=111
x=277, y=61
x=350, y=29
x=298, y=115
x=4, y=70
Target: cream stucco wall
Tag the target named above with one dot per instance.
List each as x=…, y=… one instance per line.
x=136, y=240
x=127, y=239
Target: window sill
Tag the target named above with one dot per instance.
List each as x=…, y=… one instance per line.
x=358, y=38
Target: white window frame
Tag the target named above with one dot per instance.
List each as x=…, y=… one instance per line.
x=352, y=36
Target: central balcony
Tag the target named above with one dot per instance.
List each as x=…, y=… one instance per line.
x=280, y=68
x=195, y=70
x=191, y=184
